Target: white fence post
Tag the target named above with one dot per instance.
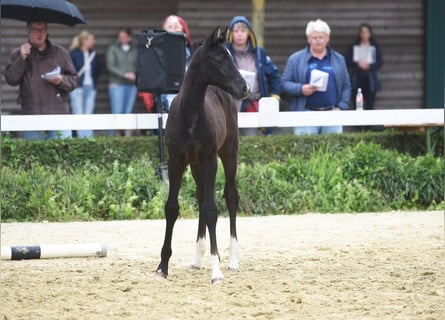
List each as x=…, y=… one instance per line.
x=269, y=112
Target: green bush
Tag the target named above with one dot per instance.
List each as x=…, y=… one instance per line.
x=87, y=193
x=123, y=183
x=402, y=181
x=74, y=153
x=103, y=151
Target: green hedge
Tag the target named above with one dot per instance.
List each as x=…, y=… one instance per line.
x=103, y=151
x=116, y=178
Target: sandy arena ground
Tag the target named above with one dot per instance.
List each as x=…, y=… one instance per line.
x=363, y=266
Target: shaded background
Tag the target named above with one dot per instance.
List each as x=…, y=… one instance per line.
x=400, y=27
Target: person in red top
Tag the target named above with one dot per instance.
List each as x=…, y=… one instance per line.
x=171, y=23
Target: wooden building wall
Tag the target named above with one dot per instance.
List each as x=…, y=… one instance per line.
x=104, y=19
x=398, y=26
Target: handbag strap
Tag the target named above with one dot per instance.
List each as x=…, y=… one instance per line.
x=87, y=62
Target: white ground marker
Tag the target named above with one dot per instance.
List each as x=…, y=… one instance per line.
x=54, y=251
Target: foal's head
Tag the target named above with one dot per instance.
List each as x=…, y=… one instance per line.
x=217, y=67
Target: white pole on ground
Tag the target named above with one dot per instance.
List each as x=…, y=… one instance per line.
x=54, y=251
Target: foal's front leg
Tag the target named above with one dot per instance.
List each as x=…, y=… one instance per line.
x=232, y=200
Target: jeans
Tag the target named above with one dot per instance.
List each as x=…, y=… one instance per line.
x=318, y=130
x=166, y=101
x=82, y=101
x=122, y=99
x=45, y=135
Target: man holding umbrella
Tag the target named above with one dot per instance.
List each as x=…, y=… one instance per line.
x=45, y=75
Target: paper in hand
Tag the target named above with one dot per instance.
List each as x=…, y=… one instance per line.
x=364, y=53
x=250, y=78
x=52, y=74
x=319, y=79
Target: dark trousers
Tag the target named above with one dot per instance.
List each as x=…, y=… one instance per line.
x=368, y=96
x=368, y=100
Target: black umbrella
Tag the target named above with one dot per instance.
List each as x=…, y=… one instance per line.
x=51, y=11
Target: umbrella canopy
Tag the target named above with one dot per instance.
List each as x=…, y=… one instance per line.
x=50, y=11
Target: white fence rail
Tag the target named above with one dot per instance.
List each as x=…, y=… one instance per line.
x=268, y=116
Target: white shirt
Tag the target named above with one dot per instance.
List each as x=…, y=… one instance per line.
x=88, y=79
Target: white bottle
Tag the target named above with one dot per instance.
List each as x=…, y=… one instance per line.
x=359, y=100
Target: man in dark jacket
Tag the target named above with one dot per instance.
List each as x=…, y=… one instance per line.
x=45, y=75
x=255, y=65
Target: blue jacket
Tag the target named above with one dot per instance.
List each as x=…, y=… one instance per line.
x=294, y=77
x=78, y=61
x=268, y=74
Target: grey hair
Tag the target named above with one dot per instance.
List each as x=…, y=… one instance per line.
x=317, y=26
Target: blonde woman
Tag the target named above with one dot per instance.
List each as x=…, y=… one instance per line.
x=86, y=62
x=253, y=62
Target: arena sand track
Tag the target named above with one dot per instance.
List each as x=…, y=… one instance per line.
x=343, y=266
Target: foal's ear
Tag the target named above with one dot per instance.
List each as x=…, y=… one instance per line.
x=225, y=34
x=217, y=36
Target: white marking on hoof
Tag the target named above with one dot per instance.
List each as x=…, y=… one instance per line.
x=161, y=274
x=234, y=255
x=199, y=253
x=217, y=275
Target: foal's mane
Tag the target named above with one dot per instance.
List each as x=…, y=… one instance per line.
x=195, y=46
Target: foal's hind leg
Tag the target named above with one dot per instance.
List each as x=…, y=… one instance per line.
x=201, y=237
x=205, y=175
x=175, y=172
x=232, y=200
